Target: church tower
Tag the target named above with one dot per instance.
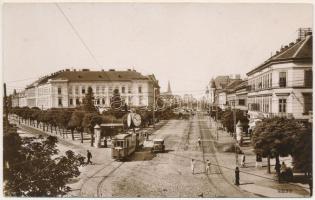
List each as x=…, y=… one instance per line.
x=169, y=91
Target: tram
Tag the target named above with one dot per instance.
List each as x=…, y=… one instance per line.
x=123, y=145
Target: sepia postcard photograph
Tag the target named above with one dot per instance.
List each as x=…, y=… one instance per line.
x=157, y=99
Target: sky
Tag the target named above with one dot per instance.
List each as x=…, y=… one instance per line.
x=184, y=43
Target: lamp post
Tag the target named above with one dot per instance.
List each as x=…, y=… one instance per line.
x=236, y=145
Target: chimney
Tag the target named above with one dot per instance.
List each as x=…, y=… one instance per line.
x=111, y=70
x=291, y=44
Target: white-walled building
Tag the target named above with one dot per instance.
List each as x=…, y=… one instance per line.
x=66, y=88
x=282, y=85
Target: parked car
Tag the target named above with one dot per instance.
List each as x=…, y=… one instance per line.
x=158, y=145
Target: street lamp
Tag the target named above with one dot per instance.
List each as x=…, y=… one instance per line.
x=236, y=145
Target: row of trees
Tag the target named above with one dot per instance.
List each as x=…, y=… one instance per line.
x=276, y=137
x=227, y=119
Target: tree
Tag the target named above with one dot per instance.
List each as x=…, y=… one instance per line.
x=274, y=137
x=89, y=121
x=88, y=104
x=302, y=151
x=63, y=117
x=37, y=170
x=76, y=123
x=227, y=119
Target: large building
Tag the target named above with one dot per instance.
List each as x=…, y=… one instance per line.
x=67, y=88
x=282, y=85
x=218, y=88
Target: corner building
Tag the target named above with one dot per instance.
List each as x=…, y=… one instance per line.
x=282, y=85
x=67, y=88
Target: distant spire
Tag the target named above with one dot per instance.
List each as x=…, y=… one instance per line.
x=169, y=91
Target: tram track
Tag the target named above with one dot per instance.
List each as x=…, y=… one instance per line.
x=212, y=149
x=93, y=176
x=99, y=185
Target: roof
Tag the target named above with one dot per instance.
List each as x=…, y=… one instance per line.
x=300, y=51
x=121, y=136
x=158, y=139
x=242, y=85
x=86, y=75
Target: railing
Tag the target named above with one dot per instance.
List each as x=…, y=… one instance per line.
x=285, y=115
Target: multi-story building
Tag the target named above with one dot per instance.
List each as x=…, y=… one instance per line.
x=216, y=92
x=19, y=99
x=282, y=85
x=66, y=88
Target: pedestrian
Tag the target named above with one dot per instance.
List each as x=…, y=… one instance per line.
x=199, y=141
x=193, y=166
x=89, y=156
x=208, y=167
x=243, y=160
x=258, y=160
x=310, y=183
x=277, y=168
x=237, y=176
x=283, y=168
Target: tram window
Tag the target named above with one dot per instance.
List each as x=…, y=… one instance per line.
x=119, y=144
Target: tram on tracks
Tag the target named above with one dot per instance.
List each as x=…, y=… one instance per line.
x=123, y=145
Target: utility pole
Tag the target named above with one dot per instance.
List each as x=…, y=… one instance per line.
x=216, y=117
x=6, y=106
x=153, y=110
x=234, y=122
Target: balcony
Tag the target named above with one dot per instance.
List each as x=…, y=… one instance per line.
x=285, y=115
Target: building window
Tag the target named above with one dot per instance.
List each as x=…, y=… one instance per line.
x=129, y=89
x=241, y=102
x=71, y=102
x=77, y=101
x=139, y=89
x=103, y=89
x=103, y=101
x=282, y=79
x=98, y=101
x=123, y=90
x=70, y=90
x=270, y=79
x=308, y=78
x=282, y=105
x=59, y=101
x=59, y=90
x=308, y=103
x=83, y=90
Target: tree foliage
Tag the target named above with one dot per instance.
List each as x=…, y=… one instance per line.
x=36, y=170
x=88, y=101
x=227, y=119
x=302, y=151
x=274, y=136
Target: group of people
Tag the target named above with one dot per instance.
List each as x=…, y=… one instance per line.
x=193, y=165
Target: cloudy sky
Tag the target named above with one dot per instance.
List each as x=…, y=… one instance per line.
x=185, y=43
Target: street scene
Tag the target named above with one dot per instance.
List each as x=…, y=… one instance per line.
x=215, y=102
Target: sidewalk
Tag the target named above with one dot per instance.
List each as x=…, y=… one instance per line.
x=252, y=179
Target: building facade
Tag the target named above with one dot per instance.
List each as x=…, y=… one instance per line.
x=282, y=85
x=67, y=89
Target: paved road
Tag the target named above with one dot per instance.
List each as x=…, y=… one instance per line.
x=167, y=174
x=161, y=175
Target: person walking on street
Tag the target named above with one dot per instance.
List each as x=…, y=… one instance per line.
x=237, y=176
x=89, y=156
x=243, y=160
x=199, y=141
x=208, y=167
x=193, y=166
x=277, y=168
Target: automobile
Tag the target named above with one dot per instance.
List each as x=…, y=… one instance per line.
x=158, y=145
